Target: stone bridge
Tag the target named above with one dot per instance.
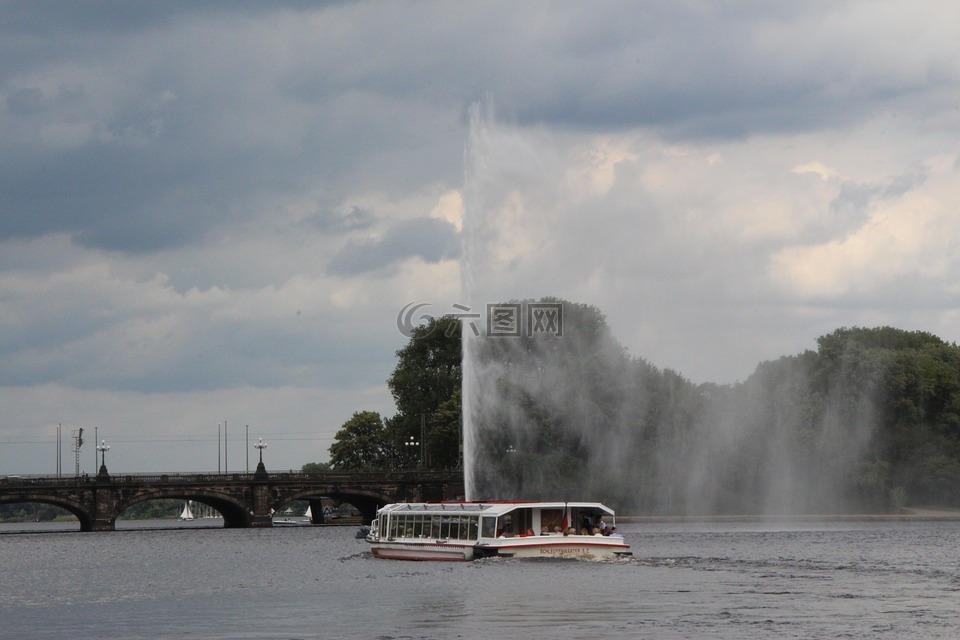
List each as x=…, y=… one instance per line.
x=244, y=500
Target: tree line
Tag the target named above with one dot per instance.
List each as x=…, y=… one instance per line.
x=869, y=421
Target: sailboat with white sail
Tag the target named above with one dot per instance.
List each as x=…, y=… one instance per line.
x=187, y=513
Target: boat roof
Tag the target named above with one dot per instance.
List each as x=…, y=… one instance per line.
x=492, y=507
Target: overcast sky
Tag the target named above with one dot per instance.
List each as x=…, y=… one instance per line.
x=215, y=211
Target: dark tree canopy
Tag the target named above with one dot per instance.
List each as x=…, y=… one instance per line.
x=426, y=390
x=360, y=444
x=870, y=421
x=425, y=385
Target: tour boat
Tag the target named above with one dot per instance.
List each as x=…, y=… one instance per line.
x=470, y=530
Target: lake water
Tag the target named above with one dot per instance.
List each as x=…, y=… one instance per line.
x=859, y=579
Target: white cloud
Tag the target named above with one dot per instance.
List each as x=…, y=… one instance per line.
x=903, y=250
x=179, y=185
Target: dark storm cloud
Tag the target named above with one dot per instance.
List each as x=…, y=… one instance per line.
x=43, y=16
x=430, y=239
x=712, y=70
x=172, y=121
x=332, y=222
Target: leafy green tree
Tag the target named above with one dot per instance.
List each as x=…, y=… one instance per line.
x=360, y=443
x=315, y=467
x=445, y=429
x=426, y=390
x=868, y=421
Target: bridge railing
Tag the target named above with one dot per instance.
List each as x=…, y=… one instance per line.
x=333, y=477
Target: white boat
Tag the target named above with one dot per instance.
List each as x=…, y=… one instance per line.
x=287, y=519
x=290, y=522
x=186, y=514
x=470, y=530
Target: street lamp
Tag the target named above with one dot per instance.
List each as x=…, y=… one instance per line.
x=410, y=446
x=260, y=445
x=103, y=447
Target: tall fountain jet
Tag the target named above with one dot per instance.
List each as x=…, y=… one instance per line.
x=476, y=171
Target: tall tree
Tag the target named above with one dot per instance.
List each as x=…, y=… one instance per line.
x=426, y=389
x=360, y=444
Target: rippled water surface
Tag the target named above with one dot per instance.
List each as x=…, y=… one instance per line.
x=861, y=579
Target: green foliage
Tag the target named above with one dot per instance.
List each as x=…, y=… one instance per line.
x=426, y=387
x=360, y=445
x=867, y=422
x=153, y=510
x=315, y=467
x=428, y=371
x=32, y=512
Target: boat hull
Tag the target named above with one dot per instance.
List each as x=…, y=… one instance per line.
x=422, y=551
x=574, y=547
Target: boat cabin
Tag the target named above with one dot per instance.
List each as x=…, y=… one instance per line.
x=470, y=521
x=468, y=530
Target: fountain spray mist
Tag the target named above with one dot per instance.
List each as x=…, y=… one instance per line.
x=578, y=418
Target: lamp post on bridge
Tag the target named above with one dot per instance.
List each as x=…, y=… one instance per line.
x=411, y=446
x=103, y=447
x=261, y=471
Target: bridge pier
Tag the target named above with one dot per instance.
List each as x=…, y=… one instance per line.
x=103, y=524
x=260, y=515
x=104, y=498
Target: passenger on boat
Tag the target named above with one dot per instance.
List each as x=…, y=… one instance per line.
x=614, y=533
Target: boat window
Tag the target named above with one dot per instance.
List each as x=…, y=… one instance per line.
x=450, y=527
x=488, y=527
x=585, y=519
x=551, y=519
x=440, y=526
x=522, y=521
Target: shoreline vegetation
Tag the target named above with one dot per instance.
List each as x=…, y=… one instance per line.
x=868, y=423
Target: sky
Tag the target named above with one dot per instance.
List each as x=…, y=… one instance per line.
x=213, y=214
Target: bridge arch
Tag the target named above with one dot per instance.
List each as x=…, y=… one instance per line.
x=367, y=501
x=83, y=514
x=235, y=513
